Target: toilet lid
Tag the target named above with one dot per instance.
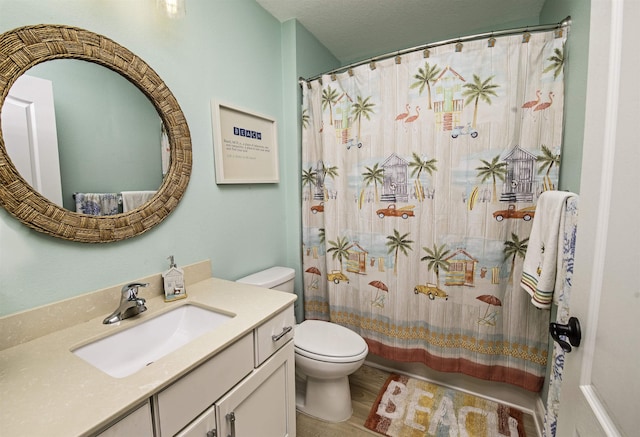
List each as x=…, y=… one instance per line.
x=328, y=340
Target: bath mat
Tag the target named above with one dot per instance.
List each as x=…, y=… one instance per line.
x=409, y=407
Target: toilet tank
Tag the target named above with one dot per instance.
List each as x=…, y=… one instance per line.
x=278, y=278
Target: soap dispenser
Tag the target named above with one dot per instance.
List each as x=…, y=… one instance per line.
x=173, y=278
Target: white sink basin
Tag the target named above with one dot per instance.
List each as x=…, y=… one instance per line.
x=128, y=351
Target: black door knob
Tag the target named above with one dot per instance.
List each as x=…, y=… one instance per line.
x=571, y=331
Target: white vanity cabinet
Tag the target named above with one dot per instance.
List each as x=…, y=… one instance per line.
x=246, y=390
x=241, y=369
x=185, y=399
x=263, y=404
x=137, y=422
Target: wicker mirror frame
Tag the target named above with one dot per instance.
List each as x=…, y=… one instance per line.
x=24, y=47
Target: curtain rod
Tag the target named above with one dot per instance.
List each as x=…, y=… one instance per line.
x=539, y=28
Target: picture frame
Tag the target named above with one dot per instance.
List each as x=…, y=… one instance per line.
x=245, y=146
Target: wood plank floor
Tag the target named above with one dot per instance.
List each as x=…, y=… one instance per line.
x=365, y=385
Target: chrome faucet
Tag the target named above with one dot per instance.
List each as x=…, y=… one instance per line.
x=130, y=303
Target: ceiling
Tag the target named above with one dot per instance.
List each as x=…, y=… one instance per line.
x=354, y=30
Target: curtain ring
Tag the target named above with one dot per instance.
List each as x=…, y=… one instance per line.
x=350, y=71
x=526, y=37
x=426, y=53
x=492, y=42
x=459, y=47
x=333, y=77
x=372, y=65
x=398, y=59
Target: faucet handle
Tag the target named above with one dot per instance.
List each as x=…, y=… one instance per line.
x=130, y=291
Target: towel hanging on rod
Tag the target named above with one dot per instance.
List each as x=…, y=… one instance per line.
x=98, y=203
x=543, y=260
x=119, y=196
x=134, y=199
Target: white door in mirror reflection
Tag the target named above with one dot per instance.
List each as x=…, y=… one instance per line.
x=29, y=129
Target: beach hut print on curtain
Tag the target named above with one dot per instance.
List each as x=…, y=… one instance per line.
x=431, y=192
x=448, y=102
x=461, y=269
x=356, y=259
x=394, y=188
x=519, y=183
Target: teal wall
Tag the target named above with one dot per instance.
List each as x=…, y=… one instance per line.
x=303, y=56
x=224, y=49
x=576, y=62
x=234, y=51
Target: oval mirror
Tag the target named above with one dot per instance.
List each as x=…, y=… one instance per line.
x=23, y=49
x=72, y=126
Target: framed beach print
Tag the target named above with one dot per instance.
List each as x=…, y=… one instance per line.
x=245, y=146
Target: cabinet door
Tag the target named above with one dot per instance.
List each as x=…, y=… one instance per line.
x=263, y=404
x=203, y=426
x=137, y=423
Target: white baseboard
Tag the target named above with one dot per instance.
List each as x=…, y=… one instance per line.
x=540, y=412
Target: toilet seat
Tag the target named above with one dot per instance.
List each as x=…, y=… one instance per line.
x=325, y=341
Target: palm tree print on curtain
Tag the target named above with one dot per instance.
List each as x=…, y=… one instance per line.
x=372, y=175
x=418, y=165
x=425, y=77
x=479, y=90
x=435, y=259
x=493, y=170
x=438, y=209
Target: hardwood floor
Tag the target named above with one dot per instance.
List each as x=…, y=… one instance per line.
x=365, y=385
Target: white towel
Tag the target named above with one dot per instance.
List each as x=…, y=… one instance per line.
x=542, y=260
x=133, y=199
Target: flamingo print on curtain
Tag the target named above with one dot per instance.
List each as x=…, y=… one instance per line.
x=420, y=178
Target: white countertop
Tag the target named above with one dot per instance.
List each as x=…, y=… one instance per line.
x=46, y=390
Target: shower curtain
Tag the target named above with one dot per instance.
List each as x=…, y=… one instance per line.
x=420, y=176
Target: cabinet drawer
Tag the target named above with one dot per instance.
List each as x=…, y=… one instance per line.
x=273, y=334
x=185, y=399
x=137, y=423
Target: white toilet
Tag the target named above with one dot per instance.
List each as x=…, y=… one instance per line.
x=325, y=355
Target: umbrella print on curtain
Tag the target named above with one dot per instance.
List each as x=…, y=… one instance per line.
x=378, y=301
x=315, y=275
x=489, y=318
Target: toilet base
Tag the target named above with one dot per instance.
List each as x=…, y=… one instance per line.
x=324, y=399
